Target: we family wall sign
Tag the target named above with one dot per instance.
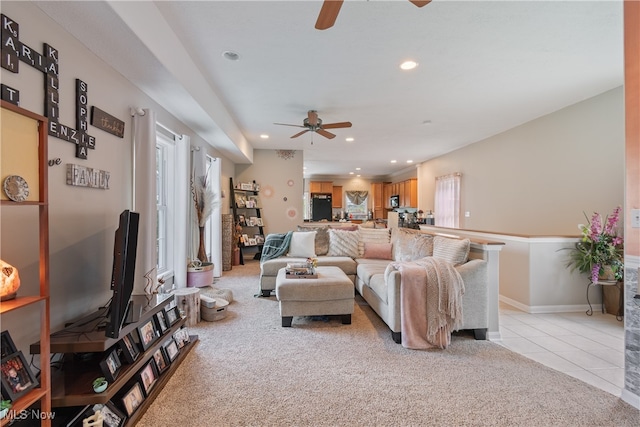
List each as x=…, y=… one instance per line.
x=14, y=51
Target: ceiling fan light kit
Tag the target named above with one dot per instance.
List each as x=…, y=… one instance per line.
x=313, y=123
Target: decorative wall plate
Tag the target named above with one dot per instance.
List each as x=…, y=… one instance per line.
x=16, y=188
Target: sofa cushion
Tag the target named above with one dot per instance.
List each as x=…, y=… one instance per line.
x=368, y=269
x=378, y=250
x=302, y=244
x=455, y=251
x=322, y=237
x=372, y=235
x=343, y=243
x=409, y=244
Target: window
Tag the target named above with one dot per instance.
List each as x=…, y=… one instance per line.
x=447, y=203
x=165, y=171
x=357, y=202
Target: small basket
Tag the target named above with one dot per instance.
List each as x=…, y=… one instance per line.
x=217, y=312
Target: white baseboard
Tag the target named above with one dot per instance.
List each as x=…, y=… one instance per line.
x=630, y=398
x=542, y=309
x=494, y=336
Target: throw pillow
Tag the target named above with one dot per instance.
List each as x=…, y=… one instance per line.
x=322, y=237
x=302, y=244
x=454, y=251
x=352, y=227
x=377, y=250
x=343, y=243
x=410, y=244
x=372, y=235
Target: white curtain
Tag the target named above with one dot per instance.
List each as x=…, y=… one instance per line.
x=183, y=202
x=447, y=203
x=144, y=199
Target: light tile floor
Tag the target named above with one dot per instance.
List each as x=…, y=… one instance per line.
x=590, y=348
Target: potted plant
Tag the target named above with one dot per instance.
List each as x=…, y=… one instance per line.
x=100, y=384
x=5, y=405
x=600, y=253
x=199, y=269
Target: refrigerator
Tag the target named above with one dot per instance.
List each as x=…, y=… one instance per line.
x=320, y=207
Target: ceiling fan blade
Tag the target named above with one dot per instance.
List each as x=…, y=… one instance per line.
x=312, y=117
x=336, y=125
x=328, y=14
x=420, y=3
x=300, y=133
x=325, y=133
x=287, y=124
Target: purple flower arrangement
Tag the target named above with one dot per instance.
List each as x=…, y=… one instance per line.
x=600, y=247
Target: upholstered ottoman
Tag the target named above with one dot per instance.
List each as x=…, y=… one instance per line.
x=331, y=293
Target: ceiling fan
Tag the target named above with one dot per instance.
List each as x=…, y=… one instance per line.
x=313, y=123
x=330, y=9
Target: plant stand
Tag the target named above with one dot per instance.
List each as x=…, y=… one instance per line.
x=612, y=298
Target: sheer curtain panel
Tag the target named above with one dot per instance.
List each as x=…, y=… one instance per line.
x=447, y=203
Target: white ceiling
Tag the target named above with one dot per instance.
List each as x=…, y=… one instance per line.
x=484, y=67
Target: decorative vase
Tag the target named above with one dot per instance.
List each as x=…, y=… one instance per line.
x=200, y=276
x=202, y=251
x=3, y=413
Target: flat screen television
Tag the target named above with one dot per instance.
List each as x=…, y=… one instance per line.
x=122, y=275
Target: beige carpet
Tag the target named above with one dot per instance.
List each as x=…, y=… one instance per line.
x=248, y=370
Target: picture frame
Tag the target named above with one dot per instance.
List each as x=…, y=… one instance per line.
x=110, y=365
x=250, y=204
x=246, y=186
x=252, y=221
x=112, y=416
x=171, y=348
x=181, y=336
x=254, y=201
x=148, y=376
x=7, y=346
x=259, y=239
x=147, y=333
x=241, y=220
x=129, y=347
x=240, y=200
x=86, y=412
x=161, y=321
x=132, y=399
x=173, y=315
x=259, y=222
x=252, y=241
x=17, y=378
x=161, y=359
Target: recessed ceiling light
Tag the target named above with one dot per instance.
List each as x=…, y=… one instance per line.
x=408, y=65
x=264, y=136
x=358, y=175
x=350, y=173
x=231, y=55
x=409, y=161
x=350, y=139
x=358, y=169
x=393, y=161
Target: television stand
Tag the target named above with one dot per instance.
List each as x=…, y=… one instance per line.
x=72, y=384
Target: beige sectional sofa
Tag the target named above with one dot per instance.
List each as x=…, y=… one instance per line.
x=370, y=267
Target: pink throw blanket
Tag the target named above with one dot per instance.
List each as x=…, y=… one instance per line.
x=430, y=302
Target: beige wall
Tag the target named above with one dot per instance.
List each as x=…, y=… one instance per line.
x=82, y=220
x=540, y=177
x=281, y=188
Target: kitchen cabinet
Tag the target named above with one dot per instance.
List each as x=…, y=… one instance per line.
x=336, y=199
x=377, y=190
x=410, y=193
x=321, y=187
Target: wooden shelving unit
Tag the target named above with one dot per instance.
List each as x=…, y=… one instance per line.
x=42, y=394
x=72, y=383
x=246, y=211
